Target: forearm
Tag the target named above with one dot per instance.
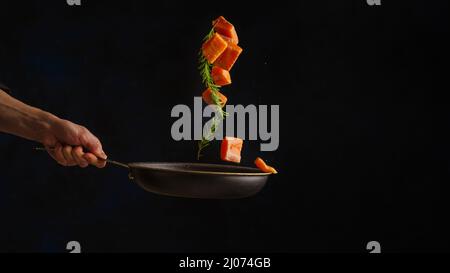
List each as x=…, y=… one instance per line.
x=23, y=120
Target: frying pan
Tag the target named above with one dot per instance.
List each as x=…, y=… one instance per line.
x=195, y=180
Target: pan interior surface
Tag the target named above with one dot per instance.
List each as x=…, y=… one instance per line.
x=199, y=168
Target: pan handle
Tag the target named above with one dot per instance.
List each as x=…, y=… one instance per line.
x=116, y=163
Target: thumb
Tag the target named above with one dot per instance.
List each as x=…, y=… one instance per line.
x=93, y=145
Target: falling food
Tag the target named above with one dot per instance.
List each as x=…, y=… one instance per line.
x=231, y=148
x=208, y=97
x=221, y=77
x=218, y=55
x=225, y=28
x=264, y=167
x=228, y=57
x=214, y=47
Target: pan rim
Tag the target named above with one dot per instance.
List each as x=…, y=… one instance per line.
x=135, y=165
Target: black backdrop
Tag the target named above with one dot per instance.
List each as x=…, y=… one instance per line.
x=364, y=150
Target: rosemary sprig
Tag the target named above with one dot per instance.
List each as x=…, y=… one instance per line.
x=206, y=139
x=209, y=35
x=205, y=73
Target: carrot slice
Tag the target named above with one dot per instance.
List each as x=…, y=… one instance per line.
x=229, y=56
x=230, y=149
x=214, y=47
x=264, y=167
x=222, y=26
x=207, y=97
x=220, y=76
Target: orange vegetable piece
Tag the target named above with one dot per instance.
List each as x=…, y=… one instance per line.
x=220, y=76
x=227, y=59
x=230, y=149
x=264, y=167
x=214, y=47
x=207, y=97
x=225, y=28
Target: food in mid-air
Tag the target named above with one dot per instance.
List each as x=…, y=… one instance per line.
x=214, y=47
x=264, y=167
x=228, y=57
x=207, y=97
x=230, y=149
x=220, y=76
x=225, y=28
x=218, y=54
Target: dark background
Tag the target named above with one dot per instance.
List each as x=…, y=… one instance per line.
x=364, y=150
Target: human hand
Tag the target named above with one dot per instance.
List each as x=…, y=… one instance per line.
x=68, y=143
x=71, y=144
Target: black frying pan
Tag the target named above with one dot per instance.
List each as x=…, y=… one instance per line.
x=195, y=180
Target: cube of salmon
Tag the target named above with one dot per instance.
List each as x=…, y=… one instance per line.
x=220, y=76
x=230, y=149
x=225, y=28
x=214, y=47
x=228, y=40
x=227, y=59
x=207, y=97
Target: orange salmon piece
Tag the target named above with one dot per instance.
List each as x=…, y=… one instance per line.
x=230, y=149
x=225, y=28
x=207, y=97
x=227, y=59
x=214, y=47
x=264, y=167
x=220, y=76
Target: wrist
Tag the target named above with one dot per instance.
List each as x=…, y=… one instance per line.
x=42, y=126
